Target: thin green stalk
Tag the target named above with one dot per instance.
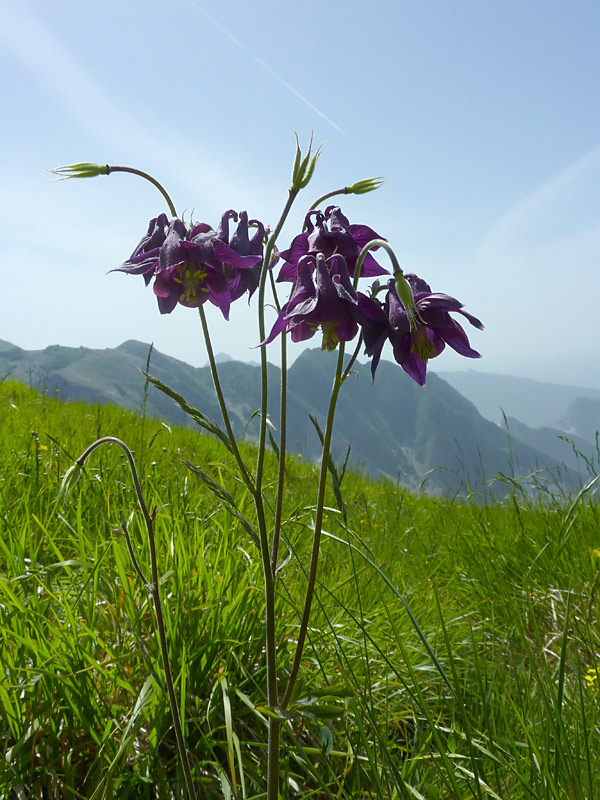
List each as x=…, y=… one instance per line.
x=223, y=405
x=282, y=454
x=272, y=695
x=343, y=190
x=154, y=589
x=293, y=193
x=256, y=492
x=147, y=177
x=353, y=358
x=312, y=574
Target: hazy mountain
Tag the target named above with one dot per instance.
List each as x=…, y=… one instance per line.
x=534, y=403
x=582, y=418
x=395, y=427
x=567, y=448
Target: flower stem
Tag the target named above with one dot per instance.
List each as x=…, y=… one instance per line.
x=148, y=177
x=154, y=589
x=282, y=454
x=246, y=477
x=293, y=193
x=370, y=246
x=353, y=358
x=312, y=575
x=272, y=695
x=317, y=203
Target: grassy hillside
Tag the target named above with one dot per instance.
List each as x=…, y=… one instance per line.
x=395, y=428
x=454, y=647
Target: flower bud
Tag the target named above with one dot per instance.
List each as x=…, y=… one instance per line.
x=84, y=170
x=69, y=480
x=368, y=185
x=303, y=168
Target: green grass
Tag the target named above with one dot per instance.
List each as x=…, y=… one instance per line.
x=453, y=650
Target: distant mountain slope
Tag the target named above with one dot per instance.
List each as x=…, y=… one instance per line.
x=567, y=448
x=582, y=418
x=534, y=403
x=394, y=427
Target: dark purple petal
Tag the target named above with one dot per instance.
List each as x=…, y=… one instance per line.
x=288, y=272
x=201, y=250
x=371, y=268
x=301, y=331
x=417, y=284
x=166, y=304
x=222, y=300
x=223, y=229
x=297, y=249
x=172, y=253
x=458, y=340
x=415, y=368
x=154, y=237
x=225, y=254
x=337, y=220
x=200, y=230
x=362, y=235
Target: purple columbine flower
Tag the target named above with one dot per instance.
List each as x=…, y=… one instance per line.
x=339, y=237
x=242, y=280
x=191, y=266
x=417, y=335
x=322, y=298
x=144, y=259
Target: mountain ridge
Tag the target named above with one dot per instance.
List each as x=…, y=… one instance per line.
x=394, y=427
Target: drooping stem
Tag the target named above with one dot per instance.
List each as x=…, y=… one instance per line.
x=146, y=176
x=314, y=559
x=153, y=587
x=371, y=246
x=343, y=190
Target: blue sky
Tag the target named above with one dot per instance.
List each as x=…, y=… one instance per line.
x=484, y=118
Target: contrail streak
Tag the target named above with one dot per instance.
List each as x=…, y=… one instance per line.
x=264, y=65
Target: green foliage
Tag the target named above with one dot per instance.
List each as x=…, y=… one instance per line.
x=493, y=693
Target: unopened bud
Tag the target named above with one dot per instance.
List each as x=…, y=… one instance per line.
x=303, y=168
x=69, y=480
x=368, y=185
x=84, y=170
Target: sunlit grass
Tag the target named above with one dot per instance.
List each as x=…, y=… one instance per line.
x=490, y=690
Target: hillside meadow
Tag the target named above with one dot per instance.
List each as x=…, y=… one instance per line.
x=454, y=647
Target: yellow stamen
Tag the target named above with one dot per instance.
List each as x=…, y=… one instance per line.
x=330, y=340
x=422, y=346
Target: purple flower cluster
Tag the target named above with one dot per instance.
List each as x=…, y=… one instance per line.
x=321, y=264
x=193, y=264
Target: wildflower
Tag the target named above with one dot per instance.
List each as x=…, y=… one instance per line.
x=328, y=302
x=339, y=238
x=417, y=335
x=190, y=266
x=242, y=280
x=591, y=678
x=144, y=258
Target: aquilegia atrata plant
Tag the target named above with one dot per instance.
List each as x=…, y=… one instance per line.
x=192, y=263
